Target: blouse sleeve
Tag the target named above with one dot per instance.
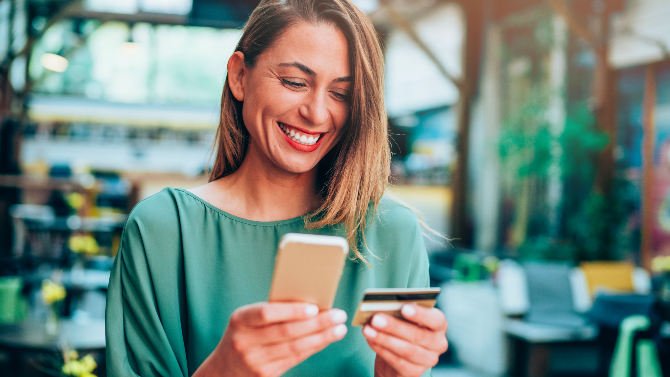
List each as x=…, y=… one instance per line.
x=398, y=244
x=419, y=276
x=139, y=339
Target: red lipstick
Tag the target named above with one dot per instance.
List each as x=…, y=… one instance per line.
x=298, y=146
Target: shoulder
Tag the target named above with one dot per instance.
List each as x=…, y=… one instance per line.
x=153, y=230
x=159, y=211
x=396, y=240
x=157, y=206
x=392, y=214
x=394, y=227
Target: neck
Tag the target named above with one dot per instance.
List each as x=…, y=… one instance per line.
x=262, y=192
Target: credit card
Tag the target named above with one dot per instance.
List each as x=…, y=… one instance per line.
x=391, y=300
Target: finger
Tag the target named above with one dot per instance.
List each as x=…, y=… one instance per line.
x=431, y=318
x=402, y=366
x=282, y=332
x=299, y=349
x=411, y=352
x=264, y=313
x=410, y=332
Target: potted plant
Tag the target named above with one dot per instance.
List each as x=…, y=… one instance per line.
x=52, y=294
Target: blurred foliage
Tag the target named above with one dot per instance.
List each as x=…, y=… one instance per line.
x=595, y=232
x=547, y=248
x=527, y=144
x=80, y=368
x=530, y=147
x=83, y=244
x=526, y=140
x=52, y=292
x=597, y=228
x=64, y=364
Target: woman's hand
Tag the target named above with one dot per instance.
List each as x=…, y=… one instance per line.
x=407, y=348
x=267, y=339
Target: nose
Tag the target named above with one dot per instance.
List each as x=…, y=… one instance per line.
x=315, y=109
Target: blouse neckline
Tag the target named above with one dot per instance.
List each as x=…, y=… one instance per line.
x=237, y=218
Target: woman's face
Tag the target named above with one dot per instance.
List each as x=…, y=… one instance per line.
x=296, y=97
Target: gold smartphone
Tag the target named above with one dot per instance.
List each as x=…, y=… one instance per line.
x=308, y=269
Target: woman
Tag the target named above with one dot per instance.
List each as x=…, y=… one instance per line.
x=302, y=147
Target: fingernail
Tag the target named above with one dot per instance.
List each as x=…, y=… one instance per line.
x=340, y=330
x=311, y=310
x=338, y=316
x=379, y=321
x=408, y=310
x=369, y=332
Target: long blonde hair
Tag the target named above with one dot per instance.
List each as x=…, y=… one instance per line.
x=354, y=175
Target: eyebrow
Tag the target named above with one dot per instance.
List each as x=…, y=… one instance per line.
x=311, y=72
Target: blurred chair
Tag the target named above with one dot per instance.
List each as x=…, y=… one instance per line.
x=636, y=353
x=13, y=306
x=593, y=278
x=538, y=301
x=609, y=311
x=21, y=213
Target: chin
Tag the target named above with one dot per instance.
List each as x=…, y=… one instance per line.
x=297, y=168
x=295, y=164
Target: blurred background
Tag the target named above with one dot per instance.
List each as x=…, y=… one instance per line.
x=535, y=134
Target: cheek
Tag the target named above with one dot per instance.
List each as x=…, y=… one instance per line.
x=257, y=107
x=340, y=117
x=269, y=102
x=249, y=118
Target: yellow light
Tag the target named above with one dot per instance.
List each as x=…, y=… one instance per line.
x=54, y=62
x=130, y=49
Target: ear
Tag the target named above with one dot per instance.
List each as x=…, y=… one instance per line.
x=236, y=75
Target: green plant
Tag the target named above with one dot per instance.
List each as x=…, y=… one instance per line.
x=530, y=147
x=596, y=228
x=527, y=144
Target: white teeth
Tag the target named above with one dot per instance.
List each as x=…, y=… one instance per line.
x=297, y=137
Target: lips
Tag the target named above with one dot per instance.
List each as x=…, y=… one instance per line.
x=301, y=140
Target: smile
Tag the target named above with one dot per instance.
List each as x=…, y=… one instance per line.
x=299, y=137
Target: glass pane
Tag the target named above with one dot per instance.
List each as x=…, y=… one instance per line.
x=167, y=6
x=139, y=64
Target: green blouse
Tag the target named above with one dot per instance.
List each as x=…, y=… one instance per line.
x=184, y=266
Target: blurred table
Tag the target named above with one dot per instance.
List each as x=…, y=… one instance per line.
x=77, y=282
x=31, y=337
x=90, y=224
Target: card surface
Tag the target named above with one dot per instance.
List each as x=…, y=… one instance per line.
x=391, y=300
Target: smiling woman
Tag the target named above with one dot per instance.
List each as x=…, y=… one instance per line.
x=302, y=147
x=341, y=43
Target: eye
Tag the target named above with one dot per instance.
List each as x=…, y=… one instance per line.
x=293, y=84
x=342, y=97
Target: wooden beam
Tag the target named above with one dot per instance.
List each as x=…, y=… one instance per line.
x=560, y=7
x=404, y=24
x=459, y=220
x=150, y=18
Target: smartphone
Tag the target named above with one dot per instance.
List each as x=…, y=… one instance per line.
x=308, y=269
